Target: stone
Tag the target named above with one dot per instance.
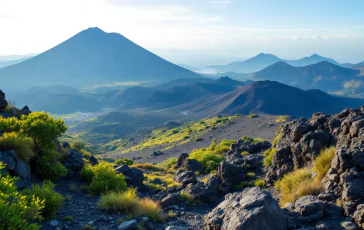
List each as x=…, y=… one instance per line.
x=246, y=210
x=176, y=228
x=348, y=225
x=230, y=175
x=73, y=160
x=310, y=208
x=359, y=215
x=53, y=223
x=3, y=102
x=186, y=178
x=128, y=225
x=171, y=199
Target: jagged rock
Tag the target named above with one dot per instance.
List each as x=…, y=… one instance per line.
x=189, y=164
x=66, y=145
x=93, y=160
x=229, y=175
x=204, y=192
x=243, y=145
x=253, y=208
x=3, y=101
x=359, y=215
x=73, y=160
x=122, y=169
x=25, y=111
x=348, y=225
x=136, y=176
x=253, y=160
x=186, y=178
x=181, y=159
x=171, y=199
x=128, y=225
x=310, y=208
x=16, y=167
x=157, y=181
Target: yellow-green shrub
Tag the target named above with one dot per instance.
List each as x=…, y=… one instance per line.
x=23, y=146
x=102, y=178
x=150, y=209
x=259, y=183
x=253, y=115
x=124, y=161
x=268, y=156
x=53, y=200
x=296, y=184
x=17, y=210
x=276, y=139
x=322, y=163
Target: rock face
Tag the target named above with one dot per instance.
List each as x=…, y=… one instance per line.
x=246, y=146
x=189, y=164
x=73, y=160
x=230, y=175
x=253, y=208
x=3, y=101
x=204, y=192
x=16, y=167
x=171, y=199
x=186, y=178
x=310, y=208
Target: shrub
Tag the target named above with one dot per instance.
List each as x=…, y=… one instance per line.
x=124, y=161
x=150, y=209
x=198, y=139
x=276, y=139
x=269, y=153
x=244, y=153
x=296, y=184
x=322, y=163
x=189, y=198
x=48, y=165
x=78, y=145
x=170, y=163
x=53, y=200
x=243, y=184
x=250, y=174
x=253, y=115
x=148, y=166
x=42, y=128
x=23, y=146
x=102, y=178
x=67, y=218
x=124, y=202
x=209, y=160
x=259, y=183
x=17, y=211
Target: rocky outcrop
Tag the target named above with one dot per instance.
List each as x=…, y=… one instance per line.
x=3, y=101
x=185, y=178
x=246, y=146
x=16, y=167
x=171, y=199
x=188, y=164
x=229, y=175
x=134, y=177
x=73, y=161
x=204, y=192
x=253, y=208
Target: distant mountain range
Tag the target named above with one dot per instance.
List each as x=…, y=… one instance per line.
x=7, y=61
x=263, y=60
x=88, y=58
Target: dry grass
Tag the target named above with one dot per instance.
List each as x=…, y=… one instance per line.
x=269, y=156
x=322, y=163
x=296, y=184
x=129, y=202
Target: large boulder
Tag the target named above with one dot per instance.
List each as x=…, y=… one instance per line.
x=359, y=215
x=16, y=167
x=188, y=164
x=171, y=199
x=246, y=146
x=204, y=192
x=251, y=209
x=73, y=160
x=230, y=175
x=309, y=208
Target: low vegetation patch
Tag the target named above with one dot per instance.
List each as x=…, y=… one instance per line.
x=102, y=178
x=268, y=156
x=259, y=183
x=124, y=161
x=281, y=119
x=322, y=163
x=253, y=115
x=276, y=139
x=129, y=202
x=22, y=145
x=251, y=140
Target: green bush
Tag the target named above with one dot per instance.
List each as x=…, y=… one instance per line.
x=17, y=211
x=243, y=184
x=53, y=200
x=209, y=160
x=23, y=146
x=48, y=165
x=102, y=178
x=253, y=115
x=124, y=161
x=268, y=156
x=276, y=139
x=259, y=183
x=78, y=145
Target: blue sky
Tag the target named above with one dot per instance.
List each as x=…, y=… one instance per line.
x=193, y=32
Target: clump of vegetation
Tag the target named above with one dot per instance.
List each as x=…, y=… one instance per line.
x=253, y=115
x=244, y=153
x=170, y=163
x=211, y=157
x=124, y=161
x=198, y=139
x=243, y=184
x=281, y=119
x=149, y=166
x=129, y=202
x=250, y=174
x=296, y=184
x=53, y=200
x=276, y=139
x=67, y=218
x=102, y=178
x=322, y=163
x=190, y=199
x=17, y=211
x=268, y=156
x=22, y=145
x=259, y=183
x=251, y=140
x=165, y=177
x=48, y=165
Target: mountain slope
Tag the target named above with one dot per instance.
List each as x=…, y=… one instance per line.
x=323, y=75
x=267, y=97
x=11, y=62
x=92, y=57
x=263, y=60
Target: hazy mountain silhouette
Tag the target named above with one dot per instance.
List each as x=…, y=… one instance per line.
x=263, y=60
x=323, y=75
x=268, y=97
x=91, y=57
x=11, y=62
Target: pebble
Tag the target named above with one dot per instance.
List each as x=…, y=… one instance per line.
x=53, y=223
x=90, y=223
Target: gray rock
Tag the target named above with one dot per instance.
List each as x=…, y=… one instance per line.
x=348, y=225
x=310, y=208
x=176, y=228
x=171, y=199
x=253, y=208
x=128, y=225
x=53, y=223
x=73, y=160
x=186, y=178
x=3, y=102
x=359, y=215
x=229, y=175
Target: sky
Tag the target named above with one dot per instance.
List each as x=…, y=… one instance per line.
x=193, y=32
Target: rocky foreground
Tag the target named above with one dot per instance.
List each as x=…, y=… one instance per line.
x=219, y=201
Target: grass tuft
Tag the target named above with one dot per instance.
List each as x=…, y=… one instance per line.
x=322, y=163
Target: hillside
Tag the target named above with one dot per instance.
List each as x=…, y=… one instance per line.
x=323, y=75
x=88, y=58
x=268, y=97
x=263, y=60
